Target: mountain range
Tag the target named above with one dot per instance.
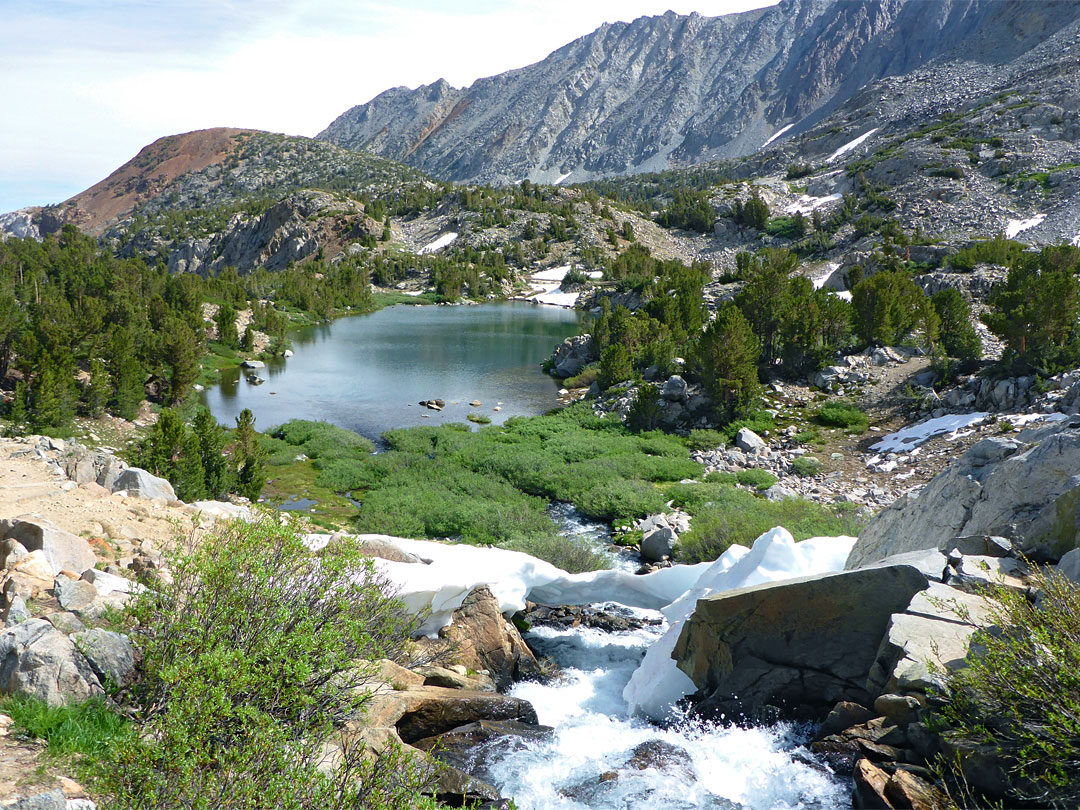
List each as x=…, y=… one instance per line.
x=674, y=90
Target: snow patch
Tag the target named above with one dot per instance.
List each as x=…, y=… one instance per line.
x=445, y=240
x=847, y=147
x=823, y=279
x=554, y=274
x=807, y=204
x=1076, y=240
x=557, y=299
x=912, y=436
x=563, y=178
x=1018, y=226
x=845, y=294
x=776, y=135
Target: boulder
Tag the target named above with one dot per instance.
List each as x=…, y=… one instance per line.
x=844, y=715
x=74, y=594
x=658, y=544
x=778, y=492
x=982, y=545
x=50, y=800
x=804, y=644
x=106, y=583
x=38, y=660
x=142, y=484
x=913, y=646
x=431, y=710
x=572, y=355
x=870, y=782
x=109, y=654
x=253, y=364
x=749, y=441
x=63, y=550
x=484, y=640
x=674, y=389
x=1027, y=489
x=1069, y=565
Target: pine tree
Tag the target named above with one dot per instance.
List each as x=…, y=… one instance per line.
x=225, y=320
x=187, y=475
x=99, y=390
x=726, y=359
x=18, y=413
x=212, y=440
x=249, y=457
x=127, y=375
x=51, y=398
x=183, y=359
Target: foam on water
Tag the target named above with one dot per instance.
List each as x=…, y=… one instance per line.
x=595, y=735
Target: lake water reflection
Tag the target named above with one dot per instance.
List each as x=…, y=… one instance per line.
x=369, y=372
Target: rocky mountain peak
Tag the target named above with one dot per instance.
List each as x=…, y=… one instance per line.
x=673, y=90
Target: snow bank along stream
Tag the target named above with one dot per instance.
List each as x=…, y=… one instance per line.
x=617, y=690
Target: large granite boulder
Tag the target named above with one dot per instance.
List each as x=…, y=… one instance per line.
x=63, y=550
x=142, y=484
x=482, y=639
x=802, y=645
x=38, y=660
x=1026, y=488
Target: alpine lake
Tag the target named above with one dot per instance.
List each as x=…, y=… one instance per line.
x=368, y=373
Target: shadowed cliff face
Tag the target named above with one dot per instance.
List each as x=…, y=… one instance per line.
x=671, y=90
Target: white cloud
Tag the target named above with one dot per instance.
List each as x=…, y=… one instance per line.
x=91, y=82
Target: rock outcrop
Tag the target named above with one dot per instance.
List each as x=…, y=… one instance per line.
x=484, y=641
x=802, y=645
x=1026, y=487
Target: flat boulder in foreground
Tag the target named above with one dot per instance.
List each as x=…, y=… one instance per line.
x=802, y=645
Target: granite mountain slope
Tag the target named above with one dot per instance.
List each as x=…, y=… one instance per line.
x=673, y=90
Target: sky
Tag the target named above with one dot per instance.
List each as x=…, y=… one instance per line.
x=87, y=83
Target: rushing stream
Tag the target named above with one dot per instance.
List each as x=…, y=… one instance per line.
x=599, y=757
x=602, y=758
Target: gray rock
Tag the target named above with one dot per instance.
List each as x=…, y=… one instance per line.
x=52, y=800
x=17, y=612
x=748, y=441
x=63, y=550
x=105, y=583
x=38, y=660
x=75, y=594
x=806, y=644
x=657, y=544
x=1027, y=490
x=142, y=484
x=674, y=389
x=110, y=655
x=1070, y=565
x=979, y=544
x=975, y=573
x=253, y=364
x=572, y=355
x=778, y=492
x=66, y=622
x=900, y=709
x=912, y=647
x=931, y=562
